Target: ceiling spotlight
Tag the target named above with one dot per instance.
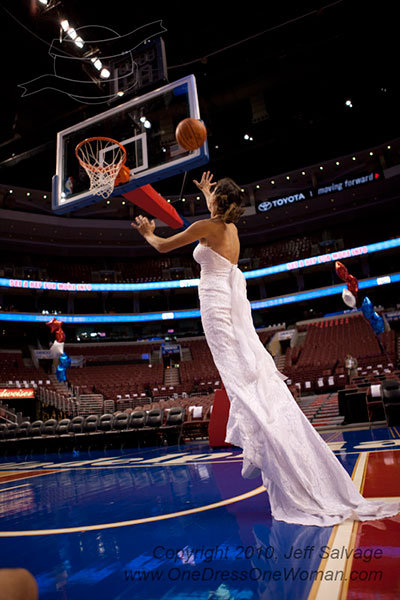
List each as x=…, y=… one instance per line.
x=349, y=103
x=72, y=33
x=97, y=63
x=105, y=73
x=65, y=25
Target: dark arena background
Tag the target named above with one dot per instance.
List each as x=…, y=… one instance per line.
x=115, y=479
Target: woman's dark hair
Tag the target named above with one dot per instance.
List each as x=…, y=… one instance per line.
x=228, y=198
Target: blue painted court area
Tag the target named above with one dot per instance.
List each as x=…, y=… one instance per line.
x=162, y=523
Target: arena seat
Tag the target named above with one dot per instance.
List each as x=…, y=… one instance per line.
x=36, y=429
x=23, y=429
x=137, y=419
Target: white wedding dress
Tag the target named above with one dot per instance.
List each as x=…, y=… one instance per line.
x=305, y=481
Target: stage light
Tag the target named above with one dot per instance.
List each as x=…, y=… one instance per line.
x=72, y=33
x=353, y=158
x=97, y=63
x=337, y=163
x=246, y=137
x=120, y=93
x=10, y=191
x=287, y=177
x=142, y=119
x=28, y=193
x=147, y=124
x=303, y=172
x=43, y=2
x=45, y=197
x=65, y=25
x=105, y=73
x=349, y=103
x=273, y=182
x=321, y=168
x=257, y=187
x=79, y=42
x=388, y=147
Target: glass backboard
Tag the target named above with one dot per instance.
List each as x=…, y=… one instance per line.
x=145, y=125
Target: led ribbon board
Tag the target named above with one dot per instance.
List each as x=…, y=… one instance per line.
x=190, y=314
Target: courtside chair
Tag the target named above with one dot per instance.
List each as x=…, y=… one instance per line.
x=49, y=438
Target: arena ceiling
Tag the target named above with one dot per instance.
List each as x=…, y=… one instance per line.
x=279, y=72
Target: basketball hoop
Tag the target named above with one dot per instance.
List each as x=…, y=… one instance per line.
x=102, y=158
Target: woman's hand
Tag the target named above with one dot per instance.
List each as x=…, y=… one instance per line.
x=206, y=183
x=143, y=225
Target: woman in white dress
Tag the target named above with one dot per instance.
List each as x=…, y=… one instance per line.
x=305, y=481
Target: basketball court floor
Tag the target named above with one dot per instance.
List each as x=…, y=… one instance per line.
x=181, y=523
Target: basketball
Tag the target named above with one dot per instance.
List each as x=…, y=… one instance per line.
x=191, y=134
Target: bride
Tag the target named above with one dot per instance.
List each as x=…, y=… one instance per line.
x=305, y=481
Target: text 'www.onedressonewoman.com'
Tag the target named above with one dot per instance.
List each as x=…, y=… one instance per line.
x=254, y=574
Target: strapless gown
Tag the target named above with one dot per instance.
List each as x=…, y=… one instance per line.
x=305, y=481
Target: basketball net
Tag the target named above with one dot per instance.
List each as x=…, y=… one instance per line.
x=102, y=158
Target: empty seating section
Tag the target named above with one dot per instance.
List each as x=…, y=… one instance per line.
x=113, y=353
x=138, y=270
x=279, y=252
x=12, y=368
x=114, y=381
x=118, y=398
x=317, y=363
